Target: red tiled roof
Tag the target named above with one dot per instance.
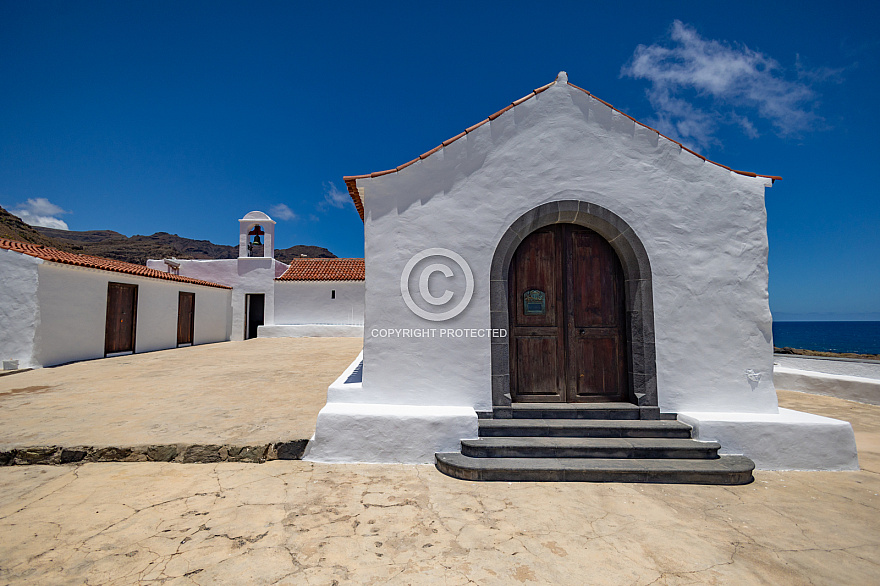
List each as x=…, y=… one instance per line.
x=96, y=262
x=324, y=269
x=351, y=180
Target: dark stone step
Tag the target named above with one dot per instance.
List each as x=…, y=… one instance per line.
x=576, y=447
x=583, y=428
x=724, y=470
x=574, y=411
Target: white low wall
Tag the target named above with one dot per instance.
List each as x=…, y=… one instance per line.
x=349, y=387
x=348, y=431
x=73, y=310
x=310, y=331
x=853, y=388
x=788, y=440
x=393, y=434
x=19, y=309
x=846, y=366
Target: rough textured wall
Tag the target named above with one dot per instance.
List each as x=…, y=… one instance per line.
x=310, y=302
x=19, y=310
x=704, y=229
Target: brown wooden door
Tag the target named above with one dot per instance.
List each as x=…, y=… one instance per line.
x=119, y=334
x=186, y=315
x=567, y=335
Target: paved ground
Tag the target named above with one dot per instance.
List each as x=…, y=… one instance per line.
x=294, y=522
x=258, y=391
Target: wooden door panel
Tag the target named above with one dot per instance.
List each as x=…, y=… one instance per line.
x=186, y=303
x=595, y=276
x=119, y=332
x=537, y=365
x=538, y=269
x=597, y=375
x=540, y=374
x=596, y=338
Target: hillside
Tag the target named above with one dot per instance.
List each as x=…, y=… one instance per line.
x=13, y=228
x=136, y=249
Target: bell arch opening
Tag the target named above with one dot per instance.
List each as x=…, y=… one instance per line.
x=255, y=245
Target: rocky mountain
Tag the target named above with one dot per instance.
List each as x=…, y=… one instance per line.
x=136, y=249
x=13, y=228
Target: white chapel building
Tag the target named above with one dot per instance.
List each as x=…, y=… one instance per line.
x=552, y=259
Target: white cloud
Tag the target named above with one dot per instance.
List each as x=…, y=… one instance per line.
x=333, y=196
x=720, y=77
x=282, y=212
x=41, y=212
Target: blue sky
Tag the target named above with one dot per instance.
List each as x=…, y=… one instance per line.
x=183, y=116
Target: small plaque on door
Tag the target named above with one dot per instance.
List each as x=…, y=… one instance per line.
x=533, y=303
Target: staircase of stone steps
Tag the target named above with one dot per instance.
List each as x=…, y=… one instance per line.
x=593, y=442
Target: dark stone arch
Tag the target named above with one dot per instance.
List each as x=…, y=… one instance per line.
x=641, y=361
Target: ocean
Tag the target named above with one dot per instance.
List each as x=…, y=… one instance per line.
x=861, y=337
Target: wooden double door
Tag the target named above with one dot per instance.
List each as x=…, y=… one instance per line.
x=567, y=318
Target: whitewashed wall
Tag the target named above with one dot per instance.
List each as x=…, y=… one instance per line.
x=19, y=310
x=310, y=302
x=704, y=229
x=73, y=311
x=244, y=275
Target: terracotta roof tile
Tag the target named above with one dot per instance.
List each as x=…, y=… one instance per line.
x=405, y=165
x=500, y=112
x=522, y=99
x=477, y=125
x=351, y=183
x=431, y=152
x=96, y=262
x=324, y=269
x=351, y=180
x=454, y=138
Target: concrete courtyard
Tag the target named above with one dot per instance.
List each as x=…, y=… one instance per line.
x=294, y=522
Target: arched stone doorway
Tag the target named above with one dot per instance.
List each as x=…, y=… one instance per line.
x=640, y=363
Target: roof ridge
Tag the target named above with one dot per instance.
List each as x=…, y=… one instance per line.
x=351, y=180
x=50, y=254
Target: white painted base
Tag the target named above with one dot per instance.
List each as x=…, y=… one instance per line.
x=788, y=440
x=820, y=383
x=350, y=431
x=404, y=434
x=311, y=331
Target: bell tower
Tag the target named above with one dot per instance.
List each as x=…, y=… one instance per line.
x=256, y=236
